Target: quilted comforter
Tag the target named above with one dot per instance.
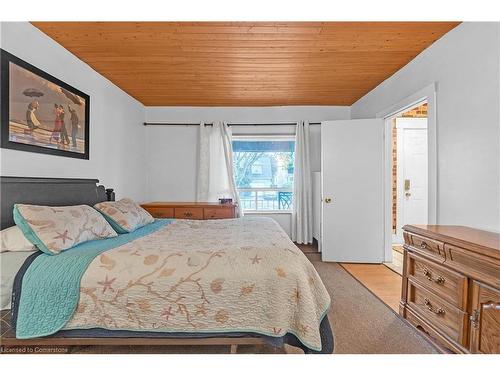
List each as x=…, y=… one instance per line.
x=238, y=275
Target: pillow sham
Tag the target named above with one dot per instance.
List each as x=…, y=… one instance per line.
x=124, y=215
x=54, y=229
x=13, y=239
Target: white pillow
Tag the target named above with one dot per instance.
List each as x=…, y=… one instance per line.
x=12, y=239
x=10, y=264
x=125, y=215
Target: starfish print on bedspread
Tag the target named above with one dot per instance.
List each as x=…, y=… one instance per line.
x=107, y=284
x=256, y=259
x=167, y=312
x=63, y=236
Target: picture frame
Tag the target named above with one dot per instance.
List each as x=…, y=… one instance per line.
x=40, y=113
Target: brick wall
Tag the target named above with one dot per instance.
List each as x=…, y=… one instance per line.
x=394, y=174
x=420, y=111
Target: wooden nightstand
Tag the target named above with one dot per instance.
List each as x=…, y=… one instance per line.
x=191, y=210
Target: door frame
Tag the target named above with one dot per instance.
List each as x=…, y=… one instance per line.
x=427, y=94
x=398, y=237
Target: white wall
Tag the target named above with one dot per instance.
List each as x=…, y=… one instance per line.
x=465, y=64
x=172, y=150
x=117, y=137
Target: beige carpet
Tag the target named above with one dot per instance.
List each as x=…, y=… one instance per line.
x=361, y=323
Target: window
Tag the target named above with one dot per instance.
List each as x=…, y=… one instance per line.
x=263, y=169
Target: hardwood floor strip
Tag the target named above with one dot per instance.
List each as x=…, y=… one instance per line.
x=380, y=280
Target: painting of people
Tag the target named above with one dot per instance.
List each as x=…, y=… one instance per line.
x=40, y=113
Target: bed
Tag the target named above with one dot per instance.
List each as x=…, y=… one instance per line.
x=226, y=282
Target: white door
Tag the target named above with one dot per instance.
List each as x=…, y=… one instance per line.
x=352, y=174
x=412, y=190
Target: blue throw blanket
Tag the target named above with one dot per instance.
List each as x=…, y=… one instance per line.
x=51, y=284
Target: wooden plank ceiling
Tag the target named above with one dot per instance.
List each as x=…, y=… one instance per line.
x=246, y=64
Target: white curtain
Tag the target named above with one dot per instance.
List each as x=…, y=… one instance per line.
x=215, y=165
x=302, y=214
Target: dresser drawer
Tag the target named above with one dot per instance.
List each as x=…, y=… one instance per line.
x=445, y=317
x=188, y=213
x=426, y=246
x=161, y=213
x=218, y=213
x=443, y=344
x=477, y=266
x=447, y=284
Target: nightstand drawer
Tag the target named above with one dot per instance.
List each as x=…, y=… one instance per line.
x=161, y=213
x=218, y=213
x=446, y=283
x=195, y=213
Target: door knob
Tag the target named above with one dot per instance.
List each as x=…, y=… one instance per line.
x=328, y=200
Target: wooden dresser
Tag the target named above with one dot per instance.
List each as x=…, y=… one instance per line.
x=451, y=286
x=191, y=210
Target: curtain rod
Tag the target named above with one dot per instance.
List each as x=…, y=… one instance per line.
x=229, y=124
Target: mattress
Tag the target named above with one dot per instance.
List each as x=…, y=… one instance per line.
x=219, y=277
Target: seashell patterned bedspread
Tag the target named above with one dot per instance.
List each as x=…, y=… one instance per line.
x=237, y=275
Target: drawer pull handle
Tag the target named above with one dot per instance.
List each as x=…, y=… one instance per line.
x=438, y=280
x=188, y=214
x=437, y=311
x=423, y=245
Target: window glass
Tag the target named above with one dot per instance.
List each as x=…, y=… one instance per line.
x=264, y=173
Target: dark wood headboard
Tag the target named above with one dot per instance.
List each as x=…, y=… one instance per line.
x=48, y=192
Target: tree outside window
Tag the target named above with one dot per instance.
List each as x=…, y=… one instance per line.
x=264, y=173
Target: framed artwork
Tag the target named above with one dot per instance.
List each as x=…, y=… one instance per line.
x=41, y=113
